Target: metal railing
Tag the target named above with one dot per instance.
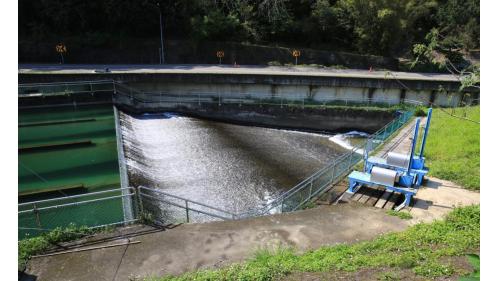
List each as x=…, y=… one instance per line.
x=128, y=96
x=64, y=88
x=330, y=174
x=167, y=208
x=94, y=209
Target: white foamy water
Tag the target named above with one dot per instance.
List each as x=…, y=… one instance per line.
x=233, y=167
x=344, y=140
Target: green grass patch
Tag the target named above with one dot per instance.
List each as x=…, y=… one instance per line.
x=401, y=214
x=38, y=245
x=419, y=248
x=452, y=150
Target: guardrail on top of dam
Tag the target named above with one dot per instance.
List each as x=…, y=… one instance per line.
x=290, y=200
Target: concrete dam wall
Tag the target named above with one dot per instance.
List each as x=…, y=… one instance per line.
x=332, y=119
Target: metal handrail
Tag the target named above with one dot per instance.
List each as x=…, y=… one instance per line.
x=74, y=203
x=186, y=207
x=67, y=83
x=73, y=196
x=185, y=199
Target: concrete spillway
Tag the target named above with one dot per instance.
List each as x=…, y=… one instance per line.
x=232, y=167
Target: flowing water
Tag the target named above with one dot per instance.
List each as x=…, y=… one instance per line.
x=229, y=166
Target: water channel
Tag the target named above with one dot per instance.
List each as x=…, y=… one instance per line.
x=228, y=166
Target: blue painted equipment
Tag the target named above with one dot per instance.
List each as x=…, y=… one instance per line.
x=399, y=173
x=399, y=162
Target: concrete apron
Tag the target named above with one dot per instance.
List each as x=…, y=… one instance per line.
x=191, y=247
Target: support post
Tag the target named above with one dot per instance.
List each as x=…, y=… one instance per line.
x=424, y=139
x=413, y=144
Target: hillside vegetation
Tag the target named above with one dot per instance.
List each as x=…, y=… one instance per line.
x=379, y=27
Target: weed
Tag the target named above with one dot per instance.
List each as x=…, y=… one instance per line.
x=402, y=214
x=388, y=276
x=308, y=205
x=37, y=245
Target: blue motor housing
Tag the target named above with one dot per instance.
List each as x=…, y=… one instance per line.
x=406, y=180
x=418, y=163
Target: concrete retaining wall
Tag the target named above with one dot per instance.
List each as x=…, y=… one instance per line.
x=296, y=117
x=299, y=92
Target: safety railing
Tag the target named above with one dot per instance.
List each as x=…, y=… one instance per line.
x=177, y=209
x=128, y=96
x=164, y=208
x=94, y=209
x=330, y=174
x=64, y=88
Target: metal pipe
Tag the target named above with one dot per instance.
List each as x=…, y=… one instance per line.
x=71, y=197
x=413, y=144
x=424, y=139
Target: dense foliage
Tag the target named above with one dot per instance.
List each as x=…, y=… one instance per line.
x=384, y=27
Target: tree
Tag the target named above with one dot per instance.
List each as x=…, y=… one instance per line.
x=439, y=53
x=377, y=24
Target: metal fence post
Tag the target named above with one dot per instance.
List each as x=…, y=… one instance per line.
x=141, y=205
x=37, y=216
x=350, y=159
x=187, y=210
x=333, y=172
x=310, y=190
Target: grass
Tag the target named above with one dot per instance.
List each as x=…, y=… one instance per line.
x=402, y=214
x=452, y=149
x=40, y=244
x=420, y=248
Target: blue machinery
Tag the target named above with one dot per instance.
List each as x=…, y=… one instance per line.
x=399, y=172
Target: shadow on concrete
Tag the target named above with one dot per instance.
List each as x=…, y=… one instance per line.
x=432, y=184
x=23, y=276
x=421, y=204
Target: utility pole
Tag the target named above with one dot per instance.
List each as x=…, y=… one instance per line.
x=162, y=57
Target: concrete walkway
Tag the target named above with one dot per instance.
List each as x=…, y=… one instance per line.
x=194, y=246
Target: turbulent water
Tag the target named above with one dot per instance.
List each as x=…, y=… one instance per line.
x=229, y=166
